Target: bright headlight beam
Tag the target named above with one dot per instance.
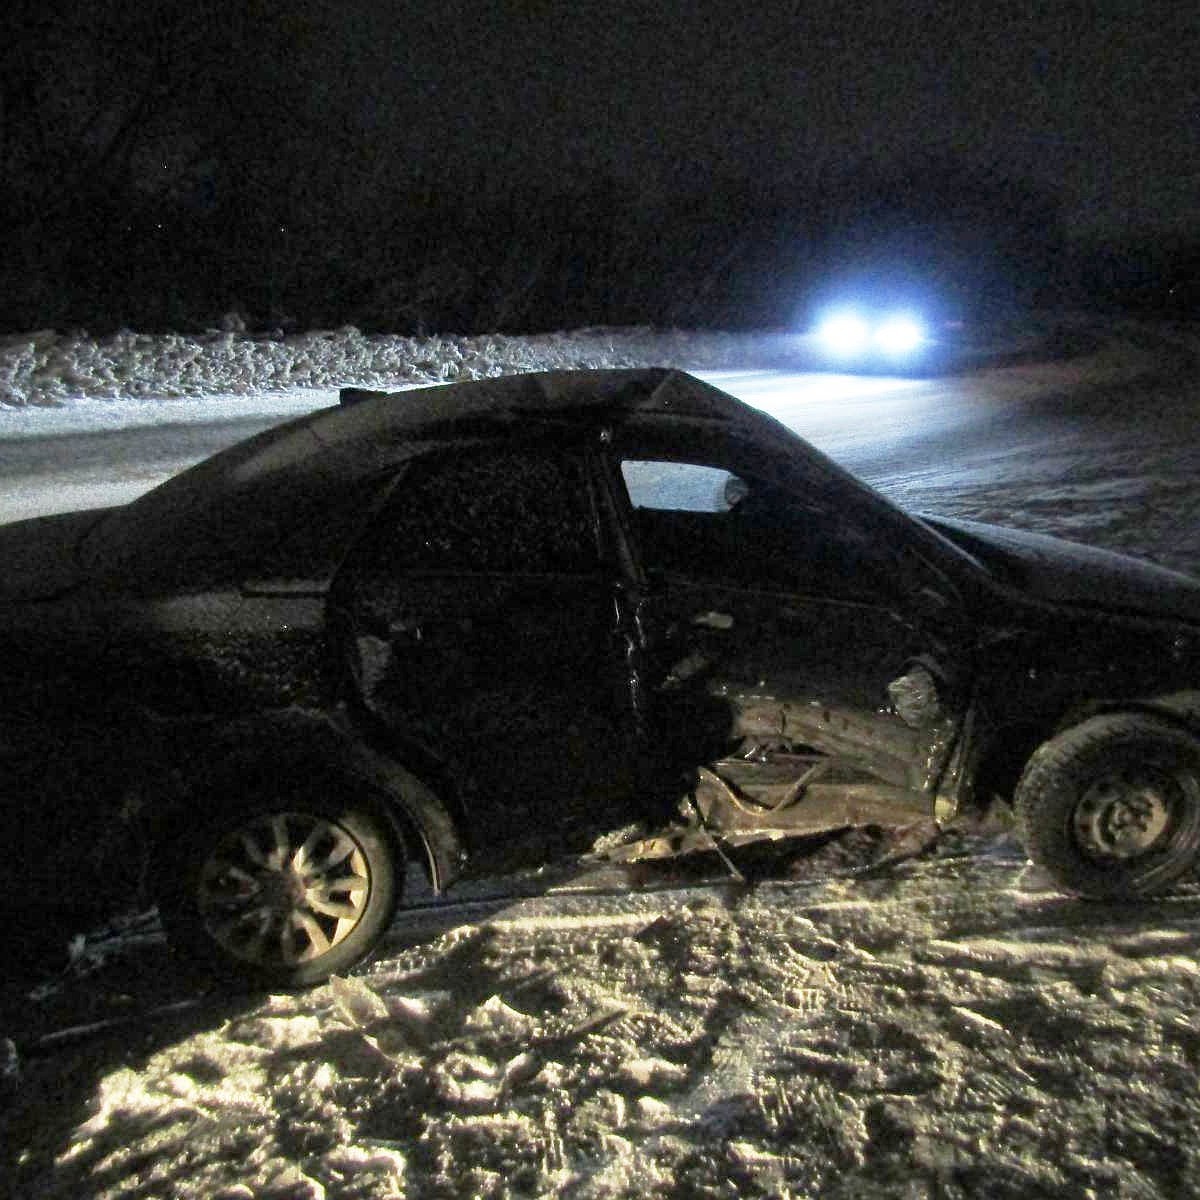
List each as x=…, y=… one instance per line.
x=899, y=335
x=844, y=333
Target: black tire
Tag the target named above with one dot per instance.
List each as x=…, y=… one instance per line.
x=283, y=894
x=1111, y=807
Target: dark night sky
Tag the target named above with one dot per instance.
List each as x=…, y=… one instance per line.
x=1099, y=102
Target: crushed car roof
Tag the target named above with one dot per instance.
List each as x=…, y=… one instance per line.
x=545, y=393
x=366, y=431
x=293, y=472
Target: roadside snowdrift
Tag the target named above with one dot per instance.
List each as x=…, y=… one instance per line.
x=46, y=367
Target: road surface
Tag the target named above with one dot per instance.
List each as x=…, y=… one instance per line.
x=1101, y=449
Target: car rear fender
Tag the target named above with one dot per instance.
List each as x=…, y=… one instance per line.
x=413, y=808
x=265, y=751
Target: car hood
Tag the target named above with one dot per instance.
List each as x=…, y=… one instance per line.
x=39, y=557
x=1049, y=568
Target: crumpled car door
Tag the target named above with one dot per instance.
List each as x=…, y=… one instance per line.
x=804, y=673
x=480, y=624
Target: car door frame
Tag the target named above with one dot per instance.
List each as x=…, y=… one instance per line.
x=427, y=758
x=931, y=600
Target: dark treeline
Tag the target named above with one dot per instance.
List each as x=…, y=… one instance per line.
x=165, y=163
x=418, y=262
x=421, y=259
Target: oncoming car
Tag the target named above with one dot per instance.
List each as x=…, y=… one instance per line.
x=888, y=321
x=478, y=625
x=854, y=334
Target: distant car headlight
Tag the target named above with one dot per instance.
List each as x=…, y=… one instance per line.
x=847, y=334
x=899, y=335
x=844, y=334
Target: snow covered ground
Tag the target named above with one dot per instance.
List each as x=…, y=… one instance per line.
x=945, y=1026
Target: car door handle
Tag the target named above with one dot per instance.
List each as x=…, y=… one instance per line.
x=713, y=620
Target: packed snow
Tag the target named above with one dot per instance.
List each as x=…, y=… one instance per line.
x=853, y=1021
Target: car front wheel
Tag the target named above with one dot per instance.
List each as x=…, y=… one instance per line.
x=1111, y=807
x=284, y=895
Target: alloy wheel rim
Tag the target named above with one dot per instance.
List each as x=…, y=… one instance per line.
x=284, y=888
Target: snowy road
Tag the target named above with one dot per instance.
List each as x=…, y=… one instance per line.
x=105, y=453
x=96, y=453
x=1105, y=453
x=884, y=429
x=1102, y=449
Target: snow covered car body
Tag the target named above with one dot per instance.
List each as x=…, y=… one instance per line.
x=486, y=622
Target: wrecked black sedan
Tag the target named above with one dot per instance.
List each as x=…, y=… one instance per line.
x=477, y=625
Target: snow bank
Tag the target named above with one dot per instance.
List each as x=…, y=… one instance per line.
x=45, y=367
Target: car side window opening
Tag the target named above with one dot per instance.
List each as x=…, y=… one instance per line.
x=487, y=511
x=707, y=523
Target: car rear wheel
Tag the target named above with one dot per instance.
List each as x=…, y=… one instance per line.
x=286, y=894
x=1111, y=807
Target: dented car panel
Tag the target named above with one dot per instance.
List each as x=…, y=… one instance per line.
x=518, y=613
x=775, y=628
